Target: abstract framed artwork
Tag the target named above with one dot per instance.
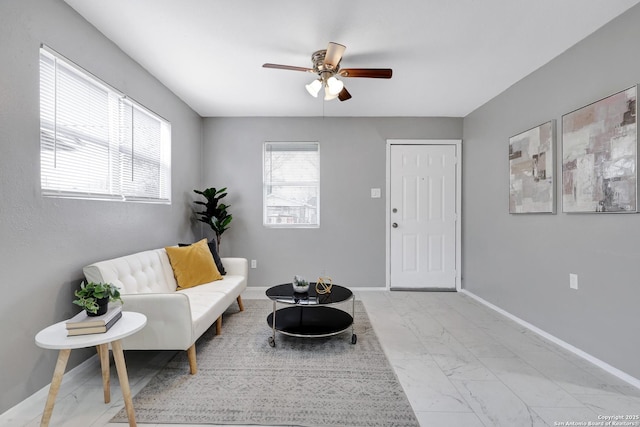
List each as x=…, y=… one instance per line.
x=599, y=156
x=532, y=170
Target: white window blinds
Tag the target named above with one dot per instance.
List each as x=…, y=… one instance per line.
x=291, y=184
x=94, y=142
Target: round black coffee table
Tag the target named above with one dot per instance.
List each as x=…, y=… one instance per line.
x=309, y=314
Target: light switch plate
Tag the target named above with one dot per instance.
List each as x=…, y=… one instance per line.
x=375, y=193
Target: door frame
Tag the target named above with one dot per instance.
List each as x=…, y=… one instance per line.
x=454, y=142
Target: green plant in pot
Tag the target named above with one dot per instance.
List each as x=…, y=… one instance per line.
x=94, y=297
x=300, y=285
x=215, y=214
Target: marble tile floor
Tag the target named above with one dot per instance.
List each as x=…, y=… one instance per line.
x=459, y=362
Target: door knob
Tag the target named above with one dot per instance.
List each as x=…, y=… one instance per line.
x=394, y=225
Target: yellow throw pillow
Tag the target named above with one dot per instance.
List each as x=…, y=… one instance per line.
x=193, y=265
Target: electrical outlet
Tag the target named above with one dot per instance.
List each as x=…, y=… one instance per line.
x=254, y=263
x=573, y=281
x=375, y=193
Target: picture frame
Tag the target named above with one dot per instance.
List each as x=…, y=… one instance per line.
x=599, y=156
x=532, y=169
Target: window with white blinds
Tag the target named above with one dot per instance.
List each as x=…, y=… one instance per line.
x=291, y=183
x=96, y=143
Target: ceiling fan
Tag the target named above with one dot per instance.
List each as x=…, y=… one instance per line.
x=326, y=64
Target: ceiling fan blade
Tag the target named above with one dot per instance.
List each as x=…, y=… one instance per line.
x=373, y=73
x=344, y=94
x=334, y=54
x=287, y=67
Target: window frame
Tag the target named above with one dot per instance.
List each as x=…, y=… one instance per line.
x=153, y=185
x=265, y=184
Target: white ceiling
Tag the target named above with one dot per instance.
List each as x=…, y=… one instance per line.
x=448, y=56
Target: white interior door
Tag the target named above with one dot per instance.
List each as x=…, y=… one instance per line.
x=423, y=203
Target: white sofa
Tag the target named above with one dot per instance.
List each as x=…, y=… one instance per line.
x=175, y=318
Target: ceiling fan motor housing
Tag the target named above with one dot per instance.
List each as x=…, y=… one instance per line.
x=319, y=67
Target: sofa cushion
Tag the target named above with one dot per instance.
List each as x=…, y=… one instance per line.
x=206, y=307
x=230, y=285
x=210, y=300
x=214, y=252
x=193, y=265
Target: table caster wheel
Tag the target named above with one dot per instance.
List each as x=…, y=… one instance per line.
x=354, y=339
x=272, y=342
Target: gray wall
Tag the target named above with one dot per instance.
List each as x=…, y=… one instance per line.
x=46, y=242
x=349, y=246
x=521, y=263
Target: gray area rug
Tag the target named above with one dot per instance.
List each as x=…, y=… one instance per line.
x=300, y=382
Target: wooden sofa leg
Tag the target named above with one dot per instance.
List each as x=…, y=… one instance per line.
x=219, y=326
x=240, y=303
x=191, y=354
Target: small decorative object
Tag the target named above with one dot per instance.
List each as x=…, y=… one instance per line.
x=323, y=285
x=94, y=297
x=300, y=285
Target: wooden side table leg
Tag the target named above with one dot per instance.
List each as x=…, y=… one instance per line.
x=121, y=367
x=58, y=373
x=103, y=353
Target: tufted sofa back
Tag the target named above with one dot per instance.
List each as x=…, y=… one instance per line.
x=142, y=272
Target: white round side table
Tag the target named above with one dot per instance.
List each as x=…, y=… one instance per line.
x=55, y=337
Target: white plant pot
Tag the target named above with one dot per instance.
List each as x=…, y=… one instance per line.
x=300, y=289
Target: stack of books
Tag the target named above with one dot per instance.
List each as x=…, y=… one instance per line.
x=81, y=324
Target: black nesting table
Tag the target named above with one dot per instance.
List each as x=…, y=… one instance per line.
x=308, y=314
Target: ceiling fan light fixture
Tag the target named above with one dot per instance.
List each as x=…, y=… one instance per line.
x=314, y=87
x=334, y=86
x=328, y=96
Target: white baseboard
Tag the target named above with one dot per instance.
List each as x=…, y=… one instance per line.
x=599, y=363
x=368, y=289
